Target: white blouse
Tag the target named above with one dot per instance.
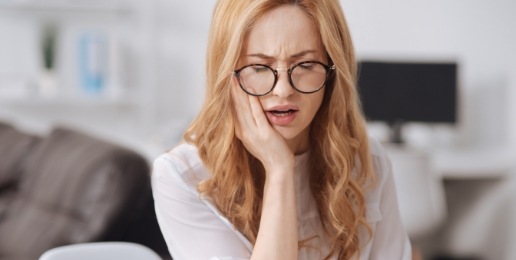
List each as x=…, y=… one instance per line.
x=194, y=229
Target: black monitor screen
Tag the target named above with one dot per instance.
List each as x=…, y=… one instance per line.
x=408, y=92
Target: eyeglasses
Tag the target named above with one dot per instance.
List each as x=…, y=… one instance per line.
x=305, y=77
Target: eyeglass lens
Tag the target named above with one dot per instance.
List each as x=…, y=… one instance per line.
x=260, y=79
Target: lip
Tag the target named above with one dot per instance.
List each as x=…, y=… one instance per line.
x=282, y=120
x=282, y=108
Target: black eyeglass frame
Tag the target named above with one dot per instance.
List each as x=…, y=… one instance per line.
x=329, y=69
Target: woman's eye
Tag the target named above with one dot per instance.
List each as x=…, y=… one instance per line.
x=260, y=69
x=307, y=66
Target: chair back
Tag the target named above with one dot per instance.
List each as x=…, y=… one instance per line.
x=101, y=251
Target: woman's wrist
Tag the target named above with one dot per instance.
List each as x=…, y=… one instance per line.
x=280, y=174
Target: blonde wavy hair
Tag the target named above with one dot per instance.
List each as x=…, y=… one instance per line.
x=341, y=168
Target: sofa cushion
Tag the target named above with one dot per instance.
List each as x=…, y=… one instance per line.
x=75, y=189
x=14, y=146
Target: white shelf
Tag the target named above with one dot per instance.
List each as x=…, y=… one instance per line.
x=64, y=6
x=127, y=101
x=71, y=101
x=475, y=163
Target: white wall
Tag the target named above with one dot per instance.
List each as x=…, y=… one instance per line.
x=476, y=33
x=182, y=33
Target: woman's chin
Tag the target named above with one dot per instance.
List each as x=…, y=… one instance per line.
x=295, y=139
x=286, y=133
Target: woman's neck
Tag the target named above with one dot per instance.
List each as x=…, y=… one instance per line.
x=300, y=143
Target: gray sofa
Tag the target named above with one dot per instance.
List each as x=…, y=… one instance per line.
x=69, y=187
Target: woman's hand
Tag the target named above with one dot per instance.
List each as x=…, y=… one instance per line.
x=257, y=135
x=277, y=237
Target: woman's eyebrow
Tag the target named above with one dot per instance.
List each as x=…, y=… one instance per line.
x=294, y=56
x=261, y=56
x=303, y=53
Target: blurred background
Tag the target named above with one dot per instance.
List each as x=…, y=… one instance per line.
x=132, y=72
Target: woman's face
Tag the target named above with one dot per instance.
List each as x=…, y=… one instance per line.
x=282, y=38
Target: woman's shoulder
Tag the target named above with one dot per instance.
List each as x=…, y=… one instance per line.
x=181, y=165
x=381, y=165
x=375, y=147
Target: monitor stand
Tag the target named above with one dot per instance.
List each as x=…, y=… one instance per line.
x=396, y=132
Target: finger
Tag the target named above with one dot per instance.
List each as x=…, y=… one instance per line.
x=242, y=109
x=257, y=111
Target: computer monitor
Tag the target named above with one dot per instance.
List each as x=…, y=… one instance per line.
x=398, y=92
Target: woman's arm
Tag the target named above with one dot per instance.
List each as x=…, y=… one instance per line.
x=277, y=237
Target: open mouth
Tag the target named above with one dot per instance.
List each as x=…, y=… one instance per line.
x=282, y=113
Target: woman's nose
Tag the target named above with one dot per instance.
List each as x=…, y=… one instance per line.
x=283, y=87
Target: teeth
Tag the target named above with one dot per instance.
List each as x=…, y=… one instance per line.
x=282, y=113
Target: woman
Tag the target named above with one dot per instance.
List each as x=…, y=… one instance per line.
x=278, y=165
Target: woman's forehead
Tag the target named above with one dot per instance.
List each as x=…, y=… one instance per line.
x=282, y=33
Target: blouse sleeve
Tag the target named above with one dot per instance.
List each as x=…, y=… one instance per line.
x=192, y=230
x=390, y=240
